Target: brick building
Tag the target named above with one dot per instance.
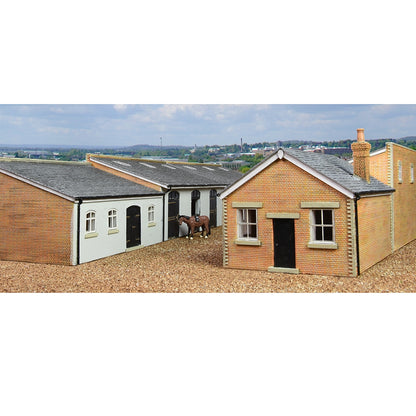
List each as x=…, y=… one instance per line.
x=70, y=213
x=189, y=188
x=302, y=212
x=394, y=166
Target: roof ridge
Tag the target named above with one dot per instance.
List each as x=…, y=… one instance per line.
x=56, y=162
x=149, y=160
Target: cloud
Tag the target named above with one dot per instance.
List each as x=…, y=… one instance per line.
x=186, y=124
x=120, y=107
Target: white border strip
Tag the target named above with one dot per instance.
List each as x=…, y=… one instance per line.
x=128, y=173
x=114, y=199
x=375, y=195
x=378, y=152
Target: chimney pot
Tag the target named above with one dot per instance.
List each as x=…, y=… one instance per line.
x=360, y=135
x=361, y=156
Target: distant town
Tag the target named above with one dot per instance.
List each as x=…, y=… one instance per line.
x=241, y=156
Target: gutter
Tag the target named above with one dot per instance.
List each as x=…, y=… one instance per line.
x=79, y=231
x=163, y=216
x=357, y=239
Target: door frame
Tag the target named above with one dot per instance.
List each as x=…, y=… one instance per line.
x=133, y=223
x=282, y=268
x=213, y=210
x=172, y=223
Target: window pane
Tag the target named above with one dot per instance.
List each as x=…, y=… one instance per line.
x=328, y=234
x=252, y=231
x=318, y=233
x=243, y=215
x=252, y=215
x=242, y=231
x=317, y=216
x=151, y=214
x=327, y=217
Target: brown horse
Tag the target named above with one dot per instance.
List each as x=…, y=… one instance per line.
x=193, y=224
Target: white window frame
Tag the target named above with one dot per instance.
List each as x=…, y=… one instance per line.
x=151, y=214
x=412, y=173
x=314, y=226
x=243, y=222
x=90, y=222
x=112, y=219
x=399, y=171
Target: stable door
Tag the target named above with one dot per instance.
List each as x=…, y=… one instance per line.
x=133, y=230
x=284, y=243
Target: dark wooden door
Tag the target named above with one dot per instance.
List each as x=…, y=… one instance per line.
x=213, y=208
x=173, y=212
x=133, y=231
x=284, y=243
x=195, y=208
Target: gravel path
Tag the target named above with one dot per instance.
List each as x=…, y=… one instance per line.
x=181, y=265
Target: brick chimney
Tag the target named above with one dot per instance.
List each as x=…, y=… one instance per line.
x=361, y=156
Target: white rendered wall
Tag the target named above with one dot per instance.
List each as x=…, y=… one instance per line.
x=105, y=242
x=185, y=207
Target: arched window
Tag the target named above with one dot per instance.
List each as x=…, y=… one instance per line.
x=173, y=196
x=90, y=222
x=112, y=218
x=399, y=171
x=151, y=214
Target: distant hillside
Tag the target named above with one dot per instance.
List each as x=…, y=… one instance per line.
x=142, y=147
x=52, y=148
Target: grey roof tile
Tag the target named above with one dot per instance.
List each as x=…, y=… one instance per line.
x=173, y=174
x=340, y=171
x=76, y=180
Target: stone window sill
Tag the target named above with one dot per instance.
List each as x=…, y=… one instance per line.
x=328, y=245
x=241, y=242
x=91, y=235
x=272, y=269
x=151, y=224
x=113, y=231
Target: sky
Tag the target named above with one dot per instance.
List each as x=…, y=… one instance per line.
x=210, y=124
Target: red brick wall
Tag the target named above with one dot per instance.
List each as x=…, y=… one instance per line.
x=281, y=187
x=405, y=196
x=379, y=167
x=35, y=224
x=374, y=225
x=385, y=168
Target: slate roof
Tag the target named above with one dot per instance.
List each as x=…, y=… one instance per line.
x=340, y=171
x=173, y=174
x=75, y=180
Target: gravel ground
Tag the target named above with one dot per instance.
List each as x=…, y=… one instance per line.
x=181, y=265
